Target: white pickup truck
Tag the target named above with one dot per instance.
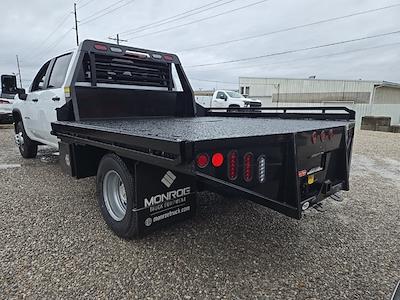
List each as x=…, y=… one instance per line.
x=227, y=99
x=7, y=94
x=123, y=115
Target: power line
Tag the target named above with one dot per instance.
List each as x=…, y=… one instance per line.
x=178, y=17
x=314, y=57
x=107, y=12
x=83, y=5
x=200, y=20
x=54, y=44
x=295, y=50
x=295, y=60
x=169, y=18
x=293, y=27
x=44, y=41
x=103, y=9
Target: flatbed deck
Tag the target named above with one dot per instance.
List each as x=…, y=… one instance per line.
x=199, y=128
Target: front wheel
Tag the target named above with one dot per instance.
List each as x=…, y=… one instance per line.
x=27, y=147
x=116, y=197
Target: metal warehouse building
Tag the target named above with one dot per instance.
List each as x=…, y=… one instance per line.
x=319, y=91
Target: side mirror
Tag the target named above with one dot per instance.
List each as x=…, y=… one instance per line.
x=22, y=94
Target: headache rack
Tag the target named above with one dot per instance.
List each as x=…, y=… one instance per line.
x=114, y=81
x=316, y=113
x=126, y=70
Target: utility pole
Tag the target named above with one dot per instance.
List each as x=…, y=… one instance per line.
x=76, y=26
x=117, y=39
x=19, y=72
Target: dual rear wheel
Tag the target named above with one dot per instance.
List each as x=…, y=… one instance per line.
x=116, y=195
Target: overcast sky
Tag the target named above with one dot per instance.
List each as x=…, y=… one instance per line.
x=32, y=30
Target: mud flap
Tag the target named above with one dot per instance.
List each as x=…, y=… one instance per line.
x=162, y=197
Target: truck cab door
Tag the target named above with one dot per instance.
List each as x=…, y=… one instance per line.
x=221, y=100
x=30, y=106
x=53, y=97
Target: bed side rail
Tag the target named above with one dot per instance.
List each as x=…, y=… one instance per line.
x=318, y=113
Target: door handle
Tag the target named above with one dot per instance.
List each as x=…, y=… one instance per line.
x=35, y=100
x=55, y=98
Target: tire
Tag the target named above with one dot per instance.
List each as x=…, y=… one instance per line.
x=27, y=148
x=111, y=173
x=233, y=108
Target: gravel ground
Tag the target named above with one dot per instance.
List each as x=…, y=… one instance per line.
x=54, y=243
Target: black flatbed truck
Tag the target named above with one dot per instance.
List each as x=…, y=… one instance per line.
x=131, y=120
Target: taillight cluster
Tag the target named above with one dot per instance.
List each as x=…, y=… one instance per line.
x=262, y=168
x=323, y=136
x=248, y=167
x=233, y=162
x=202, y=160
x=252, y=168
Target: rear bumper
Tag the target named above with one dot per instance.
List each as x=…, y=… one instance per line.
x=325, y=166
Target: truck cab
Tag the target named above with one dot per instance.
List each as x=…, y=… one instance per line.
x=35, y=110
x=228, y=99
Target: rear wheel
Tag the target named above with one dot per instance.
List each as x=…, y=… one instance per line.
x=116, y=197
x=233, y=108
x=27, y=147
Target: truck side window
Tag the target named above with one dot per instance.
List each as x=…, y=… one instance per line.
x=59, y=71
x=40, y=78
x=221, y=95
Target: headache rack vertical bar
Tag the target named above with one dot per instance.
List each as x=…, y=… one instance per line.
x=93, y=76
x=170, y=81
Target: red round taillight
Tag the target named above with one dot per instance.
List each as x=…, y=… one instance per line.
x=314, y=137
x=331, y=134
x=232, y=165
x=323, y=135
x=217, y=159
x=248, y=167
x=202, y=160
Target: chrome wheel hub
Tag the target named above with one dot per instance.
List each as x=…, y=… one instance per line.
x=114, y=194
x=19, y=139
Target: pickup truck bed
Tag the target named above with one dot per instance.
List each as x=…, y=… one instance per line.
x=197, y=128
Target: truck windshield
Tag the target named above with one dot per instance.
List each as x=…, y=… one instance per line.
x=234, y=94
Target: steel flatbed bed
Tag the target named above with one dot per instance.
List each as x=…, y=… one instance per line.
x=197, y=128
x=132, y=121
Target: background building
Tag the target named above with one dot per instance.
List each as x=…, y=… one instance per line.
x=321, y=91
x=367, y=98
